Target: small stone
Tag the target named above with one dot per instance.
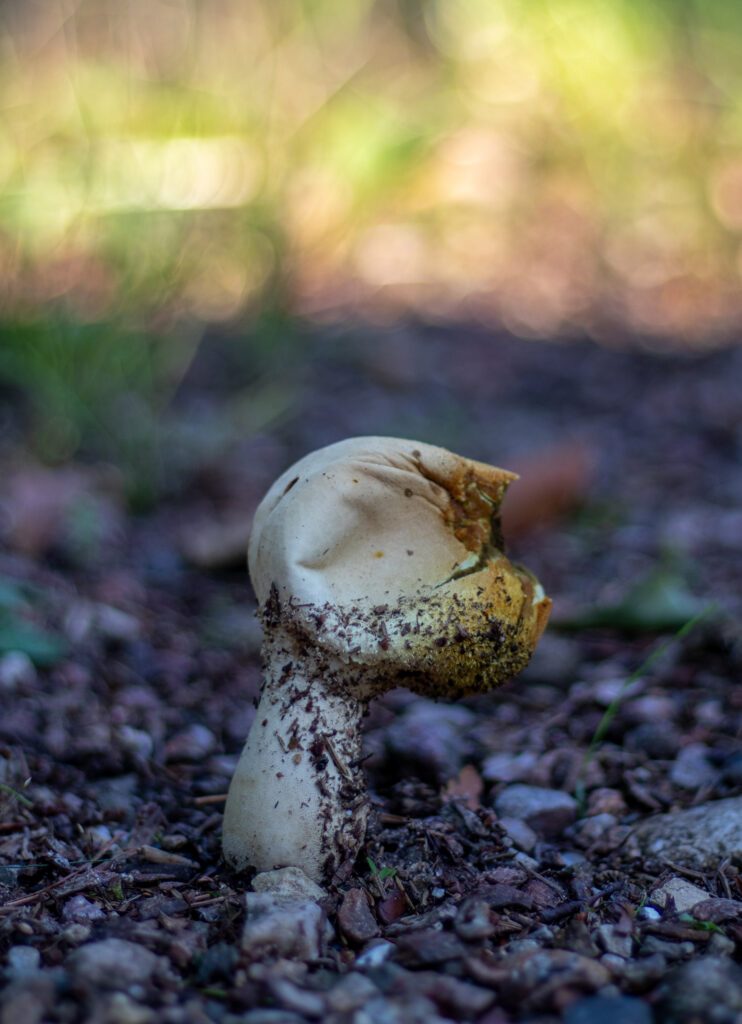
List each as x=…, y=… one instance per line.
x=716, y=909
x=114, y=964
x=459, y=999
x=504, y=767
x=271, y=1017
x=375, y=954
x=691, y=769
x=529, y=978
x=426, y=946
x=28, y=999
x=519, y=833
x=16, y=669
x=657, y=739
x=642, y=974
x=192, y=744
x=589, y=831
x=720, y=945
x=706, y=989
x=677, y=893
x=120, y=1009
x=81, y=910
x=609, y=1010
x=217, y=963
x=542, y=895
x=392, y=907
x=410, y=1009
x=655, y=944
x=473, y=920
x=606, y=801
x=76, y=934
x=289, y=882
x=278, y=925
x=547, y=811
x=700, y=837
x=22, y=960
x=432, y=737
x=296, y=999
x=351, y=992
x=355, y=919
x=136, y=741
x=614, y=941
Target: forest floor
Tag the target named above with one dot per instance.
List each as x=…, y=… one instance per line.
x=529, y=854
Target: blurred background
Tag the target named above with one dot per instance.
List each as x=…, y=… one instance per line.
x=174, y=168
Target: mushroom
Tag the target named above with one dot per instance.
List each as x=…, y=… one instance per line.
x=377, y=562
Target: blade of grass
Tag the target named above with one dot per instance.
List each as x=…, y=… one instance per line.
x=612, y=709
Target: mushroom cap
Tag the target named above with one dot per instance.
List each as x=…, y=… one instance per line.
x=386, y=554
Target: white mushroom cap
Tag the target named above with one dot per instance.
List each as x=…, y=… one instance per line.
x=386, y=553
x=376, y=562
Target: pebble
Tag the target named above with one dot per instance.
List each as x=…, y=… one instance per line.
x=677, y=893
x=655, y=944
x=700, y=837
x=16, y=669
x=80, y=910
x=427, y=946
x=355, y=919
x=656, y=739
x=706, y=989
x=116, y=624
x=292, y=882
x=351, y=992
x=29, y=999
x=399, y=1010
x=192, y=744
x=547, y=811
x=520, y=834
x=614, y=941
x=375, y=954
x=136, y=741
x=460, y=999
x=432, y=736
x=504, y=767
x=279, y=925
x=720, y=945
x=270, y=1016
x=76, y=934
x=22, y=960
x=292, y=997
x=591, y=830
x=606, y=801
x=691, y=769
x=114, y=964
x=473, y=920
x=121, y=1009
x=609, y=1010
x=528, y=979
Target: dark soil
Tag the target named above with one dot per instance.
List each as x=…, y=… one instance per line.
x=123, y=720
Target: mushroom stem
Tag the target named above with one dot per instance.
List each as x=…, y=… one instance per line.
x=298, y=796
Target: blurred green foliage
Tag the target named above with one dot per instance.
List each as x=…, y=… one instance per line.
x=549, y=165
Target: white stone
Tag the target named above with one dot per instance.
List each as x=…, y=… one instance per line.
x=678, y=892
x=699, y=838
x=289, y=882
x=279, y=925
